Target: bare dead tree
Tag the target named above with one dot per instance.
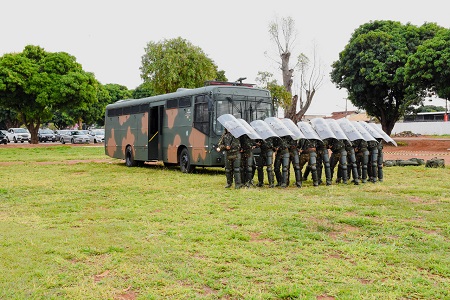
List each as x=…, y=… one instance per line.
x=311, y=78
x=283, y=33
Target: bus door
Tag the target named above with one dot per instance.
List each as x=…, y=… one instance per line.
x=155, y=133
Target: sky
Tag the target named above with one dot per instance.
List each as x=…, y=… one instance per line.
x=108, y=37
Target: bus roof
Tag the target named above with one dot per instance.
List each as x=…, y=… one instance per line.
x=190, y=92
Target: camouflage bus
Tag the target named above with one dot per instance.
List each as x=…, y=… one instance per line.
x=180, y=128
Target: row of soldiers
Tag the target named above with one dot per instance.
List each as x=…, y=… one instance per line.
x=276, y=144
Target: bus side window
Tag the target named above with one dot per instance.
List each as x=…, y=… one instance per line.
x=201, y=115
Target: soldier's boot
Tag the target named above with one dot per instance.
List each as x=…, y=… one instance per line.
x=328, y=175
x=315, y=178
x=229, y=179
x=380, y=174
x=249, y=179
x=237, y=179
x=364, y=175
x=278, y=178
x=298, y=177
x=270, y=178
x=284, y=178
x=344, y=175
x=355, y=175
x=260, y=177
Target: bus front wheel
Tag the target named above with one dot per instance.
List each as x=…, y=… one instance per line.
x=129, y=159
x=185, y=162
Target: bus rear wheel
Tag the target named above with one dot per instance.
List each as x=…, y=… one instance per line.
x=129, y=159
x=185, y=162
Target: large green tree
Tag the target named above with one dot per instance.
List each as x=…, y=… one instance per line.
x=429, y=66
x=36, y=83
x=176, y=63
x=372, y=68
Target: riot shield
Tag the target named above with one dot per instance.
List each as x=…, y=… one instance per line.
x=366, y=135
x=232, y=125
x=293, y=128
x=386, y=137
x=263, y=129
x=308, y=131
x=338, y=132
x=278, y=127
x=349, y=130
x=322, y=129
x=252, y=133
x=371, y=130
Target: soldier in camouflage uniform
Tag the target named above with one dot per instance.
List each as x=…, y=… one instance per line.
x=351, y=163
x=281, y=145
x=231, y=146
x=372, y=146
x=362, y=159
x=247, y=159
x=380, y=160
x=339, y=155
x=308, y=155
x=295, y=160
x=265, y=158
x=323, y=161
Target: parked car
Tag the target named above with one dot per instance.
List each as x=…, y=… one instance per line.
x=46, y=135
x=75, y=137
x=3, y=137
x=19, y=135
x=58, y=134
x=97, y=135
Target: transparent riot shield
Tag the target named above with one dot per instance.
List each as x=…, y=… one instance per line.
x=263, y=129
x=293, y=128
x=233, y=125
x=350, y=131
x=278, y=127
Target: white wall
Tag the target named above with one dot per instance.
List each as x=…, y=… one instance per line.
x=438, y=128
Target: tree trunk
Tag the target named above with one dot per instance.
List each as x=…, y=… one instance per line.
x=34, y=128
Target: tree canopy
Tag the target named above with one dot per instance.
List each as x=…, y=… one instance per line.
x=36, y=83
x=372, y=68
x=171, y=64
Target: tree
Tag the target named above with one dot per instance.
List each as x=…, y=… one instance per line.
x=429, y=66
x=172, y=64
x=283, y=33
x=36, y=83
x=279, y=94
x=372, y=69
x=142, y=91
x=8, y=118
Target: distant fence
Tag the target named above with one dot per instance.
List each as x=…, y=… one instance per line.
x=437, y=128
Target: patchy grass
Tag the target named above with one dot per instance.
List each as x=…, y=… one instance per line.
x=105, y=231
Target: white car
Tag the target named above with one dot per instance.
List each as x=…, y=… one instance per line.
x=19, y=135
x=75, y=137
x=97, y=135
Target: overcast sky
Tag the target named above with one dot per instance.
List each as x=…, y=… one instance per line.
x=108, y=37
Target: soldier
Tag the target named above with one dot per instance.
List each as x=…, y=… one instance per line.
x=351, y=163
x=308, y=155
x=247, y=146
x=281, y=146
x=362, y=159
x=323, y=161
x=231, y=146
x=294, y=159
x=265, y=158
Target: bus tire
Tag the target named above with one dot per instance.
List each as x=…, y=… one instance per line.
x=185, y=162
x=129, y=159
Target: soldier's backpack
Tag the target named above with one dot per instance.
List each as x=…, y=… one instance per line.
x=435, y=163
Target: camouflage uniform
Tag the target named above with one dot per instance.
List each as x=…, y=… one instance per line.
x=339, y=155
x=323, y=161
x=308, y=155
x=231, y=146
x=373, y=161
x=380, y=160
x=362, y=159
x=295, y=160
x=247, y=145
x=281, y=160
x=351, y=163
x=265, y=158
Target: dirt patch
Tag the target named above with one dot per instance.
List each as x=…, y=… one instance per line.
x=419, y=147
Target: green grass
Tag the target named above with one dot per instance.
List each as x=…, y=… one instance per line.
x=105, y=231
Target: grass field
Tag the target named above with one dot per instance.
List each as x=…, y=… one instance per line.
x=104, y=231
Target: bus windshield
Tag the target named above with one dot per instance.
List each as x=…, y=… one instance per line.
x=249, y=108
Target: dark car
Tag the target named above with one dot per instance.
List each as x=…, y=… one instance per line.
x=46, y=135
x=3, y=138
